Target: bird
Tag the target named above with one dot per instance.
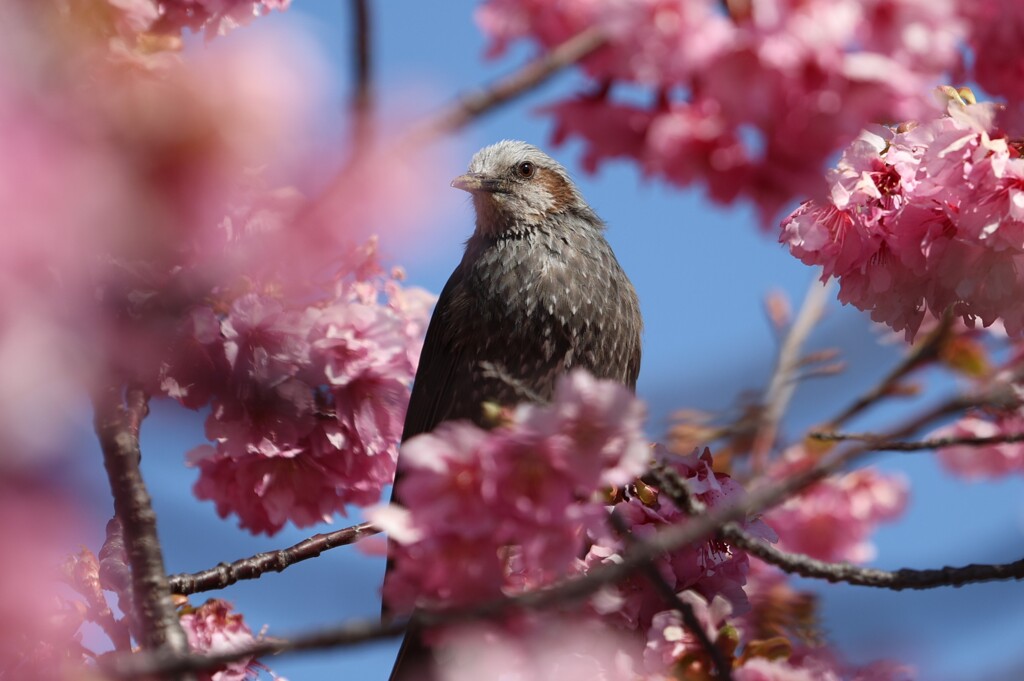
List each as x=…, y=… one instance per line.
x=538, y=292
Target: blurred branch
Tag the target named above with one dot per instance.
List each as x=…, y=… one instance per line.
x=783, y=384
x=362, y=74
x=117, y=419
x=927, y=351
x=474, y=104
x=253, y=567
x=881, y=445
x=685, y=610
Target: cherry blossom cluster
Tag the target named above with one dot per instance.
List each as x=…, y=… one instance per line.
x=923, y=219
x=213, y=628
x=307, y=399
x=712, y=568
x=672, y=651
x=749, y=99
x=834, y=519
x=171, y=17
x=487, y=512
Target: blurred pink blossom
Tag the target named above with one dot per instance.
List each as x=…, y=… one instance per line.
x=983, y=461
x=39, y=626
x=833, y=520
x=548, y=650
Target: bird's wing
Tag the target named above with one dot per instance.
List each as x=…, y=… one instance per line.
x=432, y=391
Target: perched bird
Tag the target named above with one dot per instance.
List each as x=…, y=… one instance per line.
x=538, y=292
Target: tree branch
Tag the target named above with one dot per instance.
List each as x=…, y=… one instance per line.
x=782, y=385
x=117, y=419
x=475, y=104
x=685, y=610
x=898, y=580
x=805, y=566
x=362, y=74
x=881, y=445
x=253, y=567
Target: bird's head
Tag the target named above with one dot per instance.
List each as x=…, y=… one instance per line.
x=516, y=186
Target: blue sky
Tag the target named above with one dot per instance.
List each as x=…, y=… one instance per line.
x=701, y=273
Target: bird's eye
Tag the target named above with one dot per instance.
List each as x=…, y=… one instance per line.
x=526, y=169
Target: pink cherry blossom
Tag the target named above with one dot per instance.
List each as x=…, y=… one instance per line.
x=668, y=639
x=833, y=520
x=309, y=405
x=712, y=568
x=214, y=17
x=750, y=101
x=922, y=220
x=502, y=510
x=213, y=628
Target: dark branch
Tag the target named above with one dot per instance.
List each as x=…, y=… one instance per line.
x=473, y=105
x=118, y=416
x=685, y=610
x=253, y=567
x=805, y=566
x=362, y=73
x=897, y=580
x=880, y=444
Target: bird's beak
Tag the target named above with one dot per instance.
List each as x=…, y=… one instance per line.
x=476, y=182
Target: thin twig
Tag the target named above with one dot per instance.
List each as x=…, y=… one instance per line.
x=471, y=106
x=782, y=384
x=118, y=416
x=253, y=567
x=362, y=75
x=685, y=610
x=880, y=445
x=797, y=563
x=468, y=108
x=498, y=373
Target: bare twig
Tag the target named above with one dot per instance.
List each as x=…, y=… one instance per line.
x=256, y=566
x=722, y=667
x=498, y=373
x=362, y=74
x=881, y=445
x=782, y=384
x=473, y=105
x=118, y=416
x=796, y=563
